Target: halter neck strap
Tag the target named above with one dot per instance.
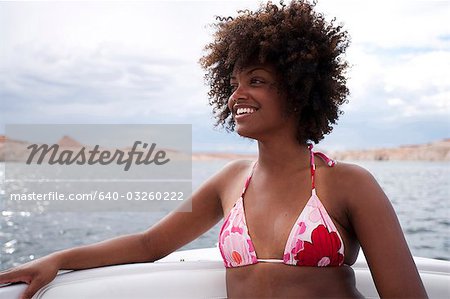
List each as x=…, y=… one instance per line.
x=312, y=166
x=325, y=158
x=249, y=177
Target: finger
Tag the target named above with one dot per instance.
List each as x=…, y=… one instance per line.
x=12, y=277
x=32, y=288
x=5, y=278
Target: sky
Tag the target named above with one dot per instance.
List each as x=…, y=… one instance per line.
x=137, y=63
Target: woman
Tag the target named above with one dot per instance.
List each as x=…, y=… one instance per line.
x=294, y=219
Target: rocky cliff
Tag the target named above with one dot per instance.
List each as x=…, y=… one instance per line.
x=434, y=151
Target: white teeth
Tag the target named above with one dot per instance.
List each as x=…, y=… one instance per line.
x=244, y=111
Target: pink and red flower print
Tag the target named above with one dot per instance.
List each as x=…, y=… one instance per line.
x=323, y=250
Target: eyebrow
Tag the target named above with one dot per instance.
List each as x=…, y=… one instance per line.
x=252, y=70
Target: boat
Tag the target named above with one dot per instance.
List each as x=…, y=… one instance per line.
x=195, y=273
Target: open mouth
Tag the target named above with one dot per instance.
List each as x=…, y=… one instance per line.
x=242, y=111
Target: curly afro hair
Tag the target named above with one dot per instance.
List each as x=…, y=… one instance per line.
x=306, y=51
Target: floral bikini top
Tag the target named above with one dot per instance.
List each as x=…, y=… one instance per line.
x=313, y=240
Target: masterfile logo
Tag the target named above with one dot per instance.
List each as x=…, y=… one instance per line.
x=95, y=155
x=97, y=167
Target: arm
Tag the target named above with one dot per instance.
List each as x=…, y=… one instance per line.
x=381, y=238
x=170, y=233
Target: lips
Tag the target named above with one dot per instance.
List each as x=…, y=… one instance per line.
x=241, y=111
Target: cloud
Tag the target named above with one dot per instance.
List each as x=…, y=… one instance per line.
x=400, y=64
x=110, y=61
x=418, y=83
x=106, y=80
x=393, y=24
x=119, y=62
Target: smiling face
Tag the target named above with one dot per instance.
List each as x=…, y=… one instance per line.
x=257, y=104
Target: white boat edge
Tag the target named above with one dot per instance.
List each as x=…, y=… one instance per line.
x=196, y=273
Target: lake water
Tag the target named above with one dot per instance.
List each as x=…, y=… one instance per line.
x=419, y=192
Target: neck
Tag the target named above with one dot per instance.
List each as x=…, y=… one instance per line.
x=283, y=153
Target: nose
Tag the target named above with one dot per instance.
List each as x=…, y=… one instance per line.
x=240, y=93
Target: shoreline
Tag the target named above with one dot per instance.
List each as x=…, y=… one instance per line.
x=432, y=151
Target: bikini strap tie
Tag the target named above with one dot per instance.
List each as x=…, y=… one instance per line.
x=330, y=162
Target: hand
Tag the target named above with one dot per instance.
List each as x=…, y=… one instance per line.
x=36, y=274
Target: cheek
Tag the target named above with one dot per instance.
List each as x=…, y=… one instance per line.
x=230, y=103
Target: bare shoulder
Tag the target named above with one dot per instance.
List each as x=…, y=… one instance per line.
x=352, y=172
x=222, y=184
x=235, y=166
x=356, y=183
x=229, y=181
x=231, y=173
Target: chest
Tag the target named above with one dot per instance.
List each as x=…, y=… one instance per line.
x=271, y=210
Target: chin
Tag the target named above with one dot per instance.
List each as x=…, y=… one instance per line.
x=246, y=133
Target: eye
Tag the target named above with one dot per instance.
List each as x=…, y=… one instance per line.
x=233, y=87
x=256, y=81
